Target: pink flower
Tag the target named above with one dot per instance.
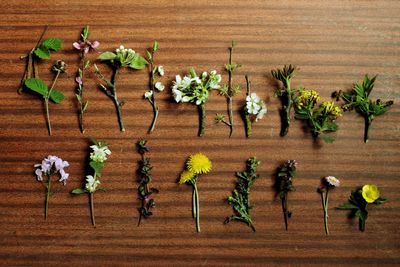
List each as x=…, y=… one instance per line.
x=78, y=80
x=86, y=46
x=50, y=166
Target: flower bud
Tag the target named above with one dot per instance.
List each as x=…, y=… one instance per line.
x=59, y=66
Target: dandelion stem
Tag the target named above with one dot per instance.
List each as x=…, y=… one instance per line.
x=197, y=208
x=47, y=196
x=194, y=203
x=92, y=209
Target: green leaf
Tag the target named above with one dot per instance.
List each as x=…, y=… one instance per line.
x=52, y=44
x=97, y=167
x=42, y=53
x=56, y=96
x=149, y=56
x=138, y=63
x=380, y=200
x=362, y=214
x=348, y=206
x=85, y=33
x=78, y=191
x=155, y=46
x=328, y=139
x=37, y=86
x=107, y=56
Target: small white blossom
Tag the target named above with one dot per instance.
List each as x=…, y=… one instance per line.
x=185, y=99
x=177, y=95
x=148, y=94
x=121, y=47
x=99, y=154
x=159, y=86
x=262, y=111
x=332, y=181
x=204, y=75
x=252, y=104
x=160, y=70
x=91, y=183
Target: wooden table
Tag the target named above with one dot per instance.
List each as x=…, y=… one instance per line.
x=333, y=42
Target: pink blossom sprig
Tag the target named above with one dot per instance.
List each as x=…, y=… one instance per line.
x=84, y=46
x=49, y=167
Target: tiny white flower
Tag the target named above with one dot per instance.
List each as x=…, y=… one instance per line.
x=91, y=183
x=262, y=112
x=131, y=51
x=185, y=99
x=159, y=86
x=148, y=94
x=117, y=50
x=121, y=47
x=160, y=70
x=204, y=74
x=196, y=80
x=213, y=72
x=332, y=181
x=177, y=95
x=198, y=102
x=99, y=154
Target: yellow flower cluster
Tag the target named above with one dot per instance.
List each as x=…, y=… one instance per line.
x=370, y=193
x=331, y=110
x=306, y=98
x=196, y=164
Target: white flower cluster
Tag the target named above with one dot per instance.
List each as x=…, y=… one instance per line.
x=50, y=165
x=124, y=51
x=99, y=153
x=125, y=56
x=255, y=106
x=195, y=89
x=91, y=183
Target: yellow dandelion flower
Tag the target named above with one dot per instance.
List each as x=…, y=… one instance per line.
x=199, y=163
x=370, y=193
x=186, y=176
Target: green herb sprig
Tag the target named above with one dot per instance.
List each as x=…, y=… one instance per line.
x=358, y=99
x=144, y=171
x=286, y=94
x=229, y=90
x=38, y=86
x=120, y=59
x=240, y=199
x=284, y=185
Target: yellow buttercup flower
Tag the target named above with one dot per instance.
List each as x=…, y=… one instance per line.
x=186, y=176
x=370, y=193
x=199, y=163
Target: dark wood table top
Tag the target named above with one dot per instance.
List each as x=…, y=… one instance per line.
x=334, y=43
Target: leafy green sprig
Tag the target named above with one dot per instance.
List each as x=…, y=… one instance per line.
x=41, y=51
x=229, y=90
x=38, y=86
x=359, y=200
x=240, y=199
x=154, y=84
x=286, y=94
x=144, y=171
x=120, y=59
x=358, y=99
x=284, y=185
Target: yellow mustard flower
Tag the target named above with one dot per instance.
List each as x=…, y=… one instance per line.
x=370, y=193
x=199, y=163
x=306, y=98
x=332, y=110
x=186, y=176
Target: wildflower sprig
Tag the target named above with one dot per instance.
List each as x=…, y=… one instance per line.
x=359, y=200
x=328, y=183
x=195, y=165
x=144, y=191
x=321, y=119
x=154, y=84
x=38, y=86
x=284, y=185
x=240, y=199
x=195, y=89
x=41, y=51
x=122, y=58
x=358, y=99
x=51, y=166
x=286, y=94
x=253, y=110
x=84, y=46
x=98, y=156
x=229, y=90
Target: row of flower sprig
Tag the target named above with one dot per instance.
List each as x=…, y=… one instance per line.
x=196, y=89
x=196, y=165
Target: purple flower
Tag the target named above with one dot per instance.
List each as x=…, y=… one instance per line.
x=78, y=80
x=51, y=165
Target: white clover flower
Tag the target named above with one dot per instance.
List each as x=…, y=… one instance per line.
x=332, y=181
x=177, y=95
x=159, y=86
x=160, y=70
x=99, y=154
x=253, y=104
x=91, y=183
x=148, y=94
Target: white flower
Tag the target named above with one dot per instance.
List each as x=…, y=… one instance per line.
x=64, y=176
x=91, y=183
x=253, y=104
x=262, y=111
x=213, y=72
x=121, y=47
x=204, y=75
x=160, y=70
x=117, y=50
x=99, y=154
x=159, y=86
x=196, y=80
x=39, y=173
x=177, y=95
x=185, y=99
x=148, y=94
x=332, y=181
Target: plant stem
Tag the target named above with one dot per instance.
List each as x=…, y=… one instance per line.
x=230, y=100
x=47, y=196
x=362, y=225
x=366, y=130
x=325, y=207
x=82, y=102
x=285, y=210
x=153, y=96
x=117, y=103
x=230, y=115
x=91, y=200
x=202, y=117
x=194, y=201
x=46, y=101
x=197, y=208
x=248, y=125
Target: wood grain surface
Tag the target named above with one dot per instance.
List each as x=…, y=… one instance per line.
x=333, y=42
